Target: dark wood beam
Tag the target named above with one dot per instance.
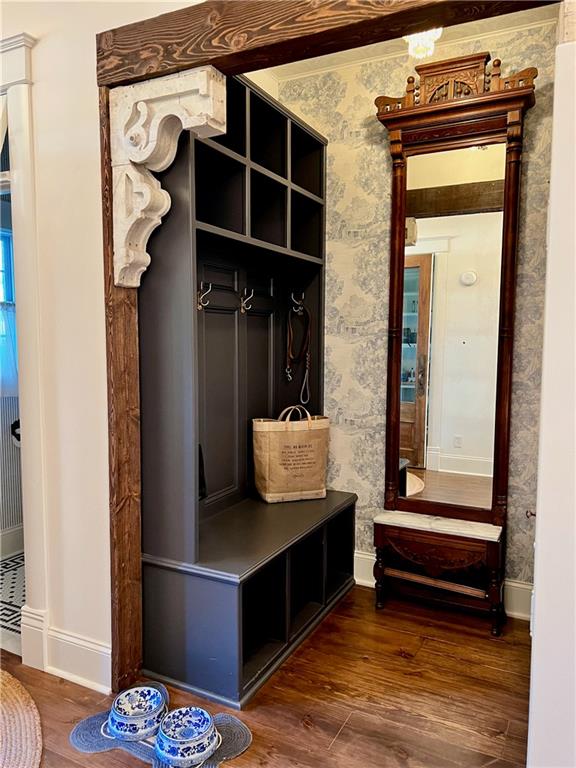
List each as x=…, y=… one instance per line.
x=245, y=35
x=122, y=354
x=476, y=197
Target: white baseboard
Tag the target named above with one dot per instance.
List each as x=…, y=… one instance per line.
x=463, y=465
x=65, y=654
x=433, y=459
x=10, y=641
x=363, y=567
x=79, y=659
x=33, y=626
x=12, y=541
x=518, y=599
x=517, y=594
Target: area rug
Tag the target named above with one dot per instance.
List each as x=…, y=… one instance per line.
x=92, y=735
x=414, y=484
x=20, y=734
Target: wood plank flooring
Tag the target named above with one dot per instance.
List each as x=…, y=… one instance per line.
x=407, y=687
x=454, y=488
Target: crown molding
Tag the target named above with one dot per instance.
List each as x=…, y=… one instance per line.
x=440, y=48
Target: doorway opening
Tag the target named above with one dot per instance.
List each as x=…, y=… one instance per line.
x=12, y=582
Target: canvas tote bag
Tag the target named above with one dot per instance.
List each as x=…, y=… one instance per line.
x=290, y=457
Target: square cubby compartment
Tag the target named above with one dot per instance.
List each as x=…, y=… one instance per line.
x=306, y=225
x=267, y=209
x=339, y=552
x=263, y=618
x=235, y=136
x=219, y=189
x=306, y=581
x=307, y=161
x=268, y=129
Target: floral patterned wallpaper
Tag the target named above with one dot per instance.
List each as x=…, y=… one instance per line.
x=340, y=104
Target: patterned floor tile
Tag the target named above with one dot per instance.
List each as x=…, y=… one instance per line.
x=12, y=592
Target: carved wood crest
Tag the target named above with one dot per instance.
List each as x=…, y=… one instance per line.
x=453, y=80
x=146, y=120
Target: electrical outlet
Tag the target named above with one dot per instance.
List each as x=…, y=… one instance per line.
x=457, y=441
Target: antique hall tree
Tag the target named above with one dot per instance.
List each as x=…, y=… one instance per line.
x=158, y=79
x=436, y=548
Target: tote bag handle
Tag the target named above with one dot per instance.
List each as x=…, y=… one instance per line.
x=287, y=414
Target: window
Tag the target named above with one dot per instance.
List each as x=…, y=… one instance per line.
x=6, y=267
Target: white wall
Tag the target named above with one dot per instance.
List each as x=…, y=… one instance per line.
x=457, y=166
x=265, y=79
x=464, y=342
x=72, y=341
x=552, y=733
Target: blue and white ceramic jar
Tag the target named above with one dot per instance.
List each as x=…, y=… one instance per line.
x=187, y=737
x=137, y=713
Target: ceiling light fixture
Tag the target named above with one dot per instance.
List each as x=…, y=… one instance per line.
x=421, y=44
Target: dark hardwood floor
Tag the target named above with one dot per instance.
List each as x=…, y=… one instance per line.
x=407, y=687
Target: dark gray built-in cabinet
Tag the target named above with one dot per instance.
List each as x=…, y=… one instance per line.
x=231, y=584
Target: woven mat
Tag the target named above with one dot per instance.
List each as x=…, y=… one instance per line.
x=20, y=734
x=92, y=735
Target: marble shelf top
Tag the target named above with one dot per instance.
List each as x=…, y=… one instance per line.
x=452, y=527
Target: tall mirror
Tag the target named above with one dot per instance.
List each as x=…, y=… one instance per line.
x=450, y=311
x=455, y=139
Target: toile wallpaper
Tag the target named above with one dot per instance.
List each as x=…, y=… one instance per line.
x=340, y=105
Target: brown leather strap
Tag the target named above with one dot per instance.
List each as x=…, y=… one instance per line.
x=303, y=354
x=291, y=357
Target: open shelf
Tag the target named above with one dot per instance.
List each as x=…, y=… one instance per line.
x=267, y=209
x=306, y=225
x=307, y=157
x=306, y=581
x=253, y=247
x=263, y=618
x=235, y=136
x=268, y=129
x=220, y=197
x=339, y=553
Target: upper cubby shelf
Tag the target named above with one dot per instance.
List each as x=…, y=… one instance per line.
x=235, y=136
x=220, y=189
x=268, y=209
x=268, y=136
x=307, y=225
x=307, y=158
x=264, y=179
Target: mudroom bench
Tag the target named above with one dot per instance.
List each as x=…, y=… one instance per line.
x=266, y=576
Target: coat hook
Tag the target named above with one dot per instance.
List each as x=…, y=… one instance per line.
x=298, y=303
x=202, y=300
x=244, y=306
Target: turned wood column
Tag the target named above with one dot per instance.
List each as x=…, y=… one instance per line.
x=398, y=237
x=506, y=320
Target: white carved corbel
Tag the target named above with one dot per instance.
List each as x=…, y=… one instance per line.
x=146, y=120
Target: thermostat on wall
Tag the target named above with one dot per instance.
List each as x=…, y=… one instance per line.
x=468, y=278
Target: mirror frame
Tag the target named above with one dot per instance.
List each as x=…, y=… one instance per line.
x=456, y=104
